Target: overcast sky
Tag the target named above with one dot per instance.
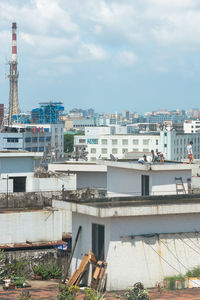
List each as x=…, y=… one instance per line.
x=111, y=55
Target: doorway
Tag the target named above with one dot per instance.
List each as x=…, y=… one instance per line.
x=19, y=184
x=98, y=235
x=145, y=185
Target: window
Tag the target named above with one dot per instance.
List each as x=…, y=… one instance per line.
x=125, y=150
x=48, y=139
x=98, y=232
x=114, y=150
x=41, y=149
x=156, y=142
x=34, y=149
x=93, y=150
x=165, y=134
x=41, y=139
x=165, y=145
x=104, y=150
x=93, y=159
x=12, y=140
x=145, y=150
x=135, y=149
x=92, y=141
x=82, y=141
x=34, y=139
x=135, y=142
x=28, y=149
x=145, y=142
x=114, y=142
x=124, y=142
x=104, y=142
x=27, y=139
x=145, y=185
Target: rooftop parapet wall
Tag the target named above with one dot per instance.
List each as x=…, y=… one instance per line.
x=38, y=200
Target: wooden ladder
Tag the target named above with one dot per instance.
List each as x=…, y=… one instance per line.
x=179, y=185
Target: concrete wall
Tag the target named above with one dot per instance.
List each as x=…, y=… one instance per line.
x=92, y=180
x=126, y=182
x=16, y=165
x=55, y=183
x=35, y=257
x=132, y=257
x=163, y=182
x=33, y=226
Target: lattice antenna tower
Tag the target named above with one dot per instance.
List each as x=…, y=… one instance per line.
x=13, y=76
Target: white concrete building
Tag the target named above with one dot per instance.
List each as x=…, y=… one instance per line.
x=172, y=143
x=30, y=226
x=17, y=174
x=191, y=126
x=141, y=239
x=88, y=174
x=133, y=179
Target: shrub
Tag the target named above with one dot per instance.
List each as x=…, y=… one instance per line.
x=137, y=292
x=16, y=268
x=67, y=293
x=19, y=281
x=2, y=265
x=91, y=294
x=194, y=272
x=47, y=271
x=172, y=280
x=25, y=295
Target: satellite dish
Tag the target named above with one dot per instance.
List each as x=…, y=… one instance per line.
x=112, y=157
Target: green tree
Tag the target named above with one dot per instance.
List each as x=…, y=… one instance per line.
x=69, y=142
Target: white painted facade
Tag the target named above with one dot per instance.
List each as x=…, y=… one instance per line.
x=191, y=126
x=172, y=143
x=125, y=178
x=88, y=175
x=32, y=226
x=21, y=164
x=141, y=243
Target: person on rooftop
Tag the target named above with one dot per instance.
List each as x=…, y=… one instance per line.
x=189, y=152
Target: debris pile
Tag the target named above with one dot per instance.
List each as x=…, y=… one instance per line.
x=98, y=279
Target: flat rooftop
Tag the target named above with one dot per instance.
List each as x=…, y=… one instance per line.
x=155, y=166
x=18, y=153
x=133, y=206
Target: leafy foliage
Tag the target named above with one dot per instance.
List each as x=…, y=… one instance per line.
x=16, y=268
x=195, y=272
x=69, y=142
x=137, y=292
x=19, y=281
x=91, y=294
x=25, y=295
x=67, y=293
x=172, y=280
x=2, y=264
x=47, y=271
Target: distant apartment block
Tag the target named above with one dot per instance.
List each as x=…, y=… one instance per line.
x=191, y=126
x=48, y=138
x=172, y=143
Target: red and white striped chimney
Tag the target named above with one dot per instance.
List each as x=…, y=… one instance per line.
x=14, y=41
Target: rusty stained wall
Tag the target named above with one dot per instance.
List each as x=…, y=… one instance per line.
x=144, y=249
x=32, y=226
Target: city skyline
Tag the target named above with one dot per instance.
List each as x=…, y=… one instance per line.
x=108, y=55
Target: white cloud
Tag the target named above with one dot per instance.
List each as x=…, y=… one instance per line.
x=127, y=58
x=66, y=31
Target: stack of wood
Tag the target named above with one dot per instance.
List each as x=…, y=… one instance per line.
x=98, y=275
